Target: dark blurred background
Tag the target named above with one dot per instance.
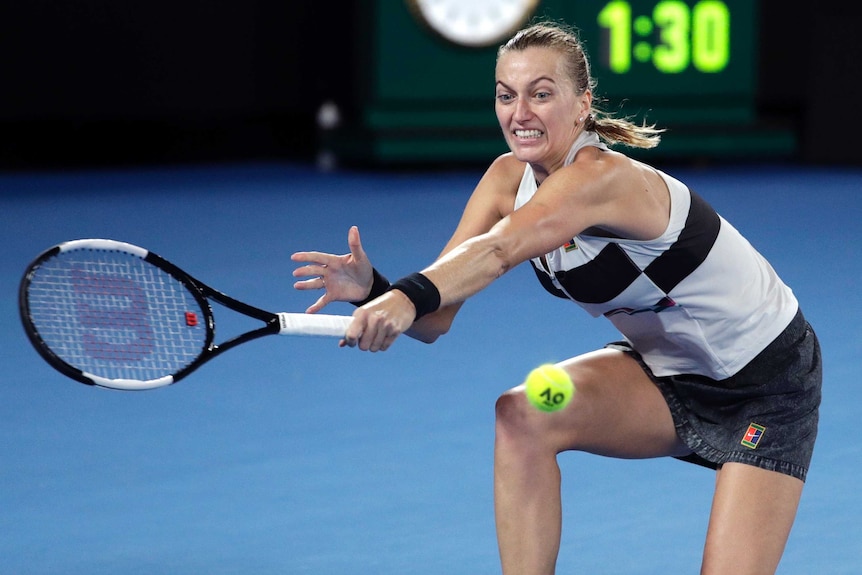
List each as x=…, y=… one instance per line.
x=101, y=82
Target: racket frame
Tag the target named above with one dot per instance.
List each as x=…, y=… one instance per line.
x=201, y=292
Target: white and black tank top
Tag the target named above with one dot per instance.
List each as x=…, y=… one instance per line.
x=698, y=299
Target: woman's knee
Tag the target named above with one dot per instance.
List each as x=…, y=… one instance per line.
x=510, y=407
x=516, y=418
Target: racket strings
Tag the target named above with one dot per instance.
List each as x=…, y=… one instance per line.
x=114, y=315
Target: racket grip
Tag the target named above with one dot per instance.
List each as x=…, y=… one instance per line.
x=313, y=324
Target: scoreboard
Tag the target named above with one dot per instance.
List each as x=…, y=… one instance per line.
x=425, y=74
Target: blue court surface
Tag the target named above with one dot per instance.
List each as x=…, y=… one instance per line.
x=292, y=456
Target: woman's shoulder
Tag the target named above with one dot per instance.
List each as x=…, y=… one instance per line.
x=592, y=170
x=606, y=170
x=507, y=166
x=504, y=175
x=615, y=185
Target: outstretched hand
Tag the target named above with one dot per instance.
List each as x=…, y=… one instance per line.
x=345, y=277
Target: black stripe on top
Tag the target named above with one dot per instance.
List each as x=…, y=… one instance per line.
x=690, y=248
x=612, y=271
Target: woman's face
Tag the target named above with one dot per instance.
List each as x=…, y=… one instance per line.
x=537, y=106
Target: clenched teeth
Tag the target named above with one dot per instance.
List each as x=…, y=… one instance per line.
x=528, y=133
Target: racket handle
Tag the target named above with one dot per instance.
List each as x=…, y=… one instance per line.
x=313, y=324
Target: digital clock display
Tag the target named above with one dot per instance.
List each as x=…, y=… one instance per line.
x=659, y=52
x=697, y=36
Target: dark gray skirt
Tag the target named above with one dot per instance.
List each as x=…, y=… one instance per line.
x=765, y=415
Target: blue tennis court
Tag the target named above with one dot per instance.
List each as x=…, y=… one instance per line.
x=292, y=456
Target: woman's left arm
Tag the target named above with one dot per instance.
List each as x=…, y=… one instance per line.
x=563, y=207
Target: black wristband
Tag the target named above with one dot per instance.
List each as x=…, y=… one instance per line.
x=379, y=286
x=419, y=290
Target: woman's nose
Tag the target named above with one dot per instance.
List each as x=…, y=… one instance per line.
x=522, y=109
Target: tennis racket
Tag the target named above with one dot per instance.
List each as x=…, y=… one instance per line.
x=115, y=315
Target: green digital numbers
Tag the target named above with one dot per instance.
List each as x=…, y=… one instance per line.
x=617, y=17
x=710, y=45
x=673, y=38
x=673, y=18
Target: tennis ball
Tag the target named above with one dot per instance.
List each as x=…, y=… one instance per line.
x=549, y=388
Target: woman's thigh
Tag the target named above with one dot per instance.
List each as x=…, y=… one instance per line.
x=752, y=513
x=616, y=411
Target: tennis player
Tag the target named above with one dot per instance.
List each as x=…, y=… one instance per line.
x=717, y=365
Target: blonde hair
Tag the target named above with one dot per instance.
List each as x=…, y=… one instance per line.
x=612, y=130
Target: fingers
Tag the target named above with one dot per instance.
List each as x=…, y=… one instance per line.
x=354, y=242
x=347, y=277
x=310, y=257
x=315, y=274
x=316, y=269
x=317, y=280
x=373, y=329
x=354, y=330
x=318, y=305
x=313, y=283
x=381, y=342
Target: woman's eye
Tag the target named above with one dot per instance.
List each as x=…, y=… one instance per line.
x=503, y=98
x=543, y=95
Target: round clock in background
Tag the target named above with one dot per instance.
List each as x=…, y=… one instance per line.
x=473, y=23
